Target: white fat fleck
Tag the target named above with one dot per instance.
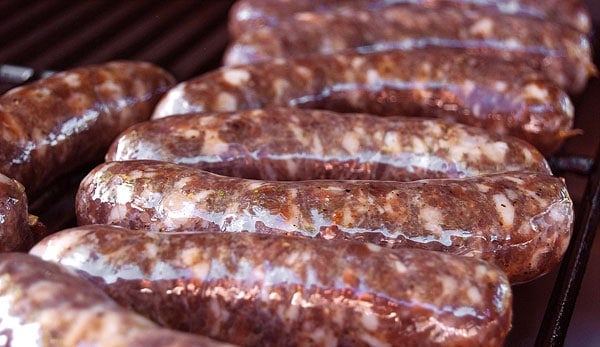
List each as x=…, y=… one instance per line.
x=357, y=62
x=449, y=285
x=372, y=340
x=469, y=86
x=483, y=188
x=178, y=206
x=110, y=86
x=533, y=91
x=123, y=194
x=351, y=143
x=505, y=209
x=483, y=27
x=431, y=218
x=373, y=247
x=72, y=79
x=225, y=102
x=474, y=295
x=391, y=140
x=500, y=86
x=324, y=337
x=495, y=151
x=419, y=145
x=298, y=300
x=190, y=133
x=373, y=77
x=236, y=77
x=400, y=267
x=369, y=320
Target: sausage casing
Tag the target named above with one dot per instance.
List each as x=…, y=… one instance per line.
x=522, y=221
x=564, y=54
x=248, y=15
x=18, y=229
x=295, y=144
x=57, y=124
x=44, y=304
x=446, y=83
x=266, y=290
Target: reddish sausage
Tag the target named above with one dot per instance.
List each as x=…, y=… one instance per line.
x=564, y=54
x=57, y=124
x=267, y=290
x=446, y=83
x=247, y=15
x=520, y=220
x=295, y=144
x=44, y=304
x=18, y=229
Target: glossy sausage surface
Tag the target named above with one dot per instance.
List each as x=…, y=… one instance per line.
x=57, y=124
x=18, y=229
x=522, y=221
x=44, y=304
x=266, y=290
x=562, y=53
x=296, y=144
x=479, y=90
x=248, y=15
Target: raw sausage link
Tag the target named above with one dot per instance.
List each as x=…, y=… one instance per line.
x=54, y=125
x=445, y=83
x=266, y=290
x=295, y=144
x=18, y=229
x=564, y=54
x=248, y=15
x=521, y=221
x=43, y=304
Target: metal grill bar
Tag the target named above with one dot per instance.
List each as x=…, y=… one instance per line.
x=559, y=311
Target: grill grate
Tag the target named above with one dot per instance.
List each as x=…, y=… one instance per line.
x=187, y=38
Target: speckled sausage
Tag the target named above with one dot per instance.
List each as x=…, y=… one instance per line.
x=44, y=304
x=295, y=144
x=446, y=83
x=521, y=221
x=564, y=54
x=267, y=290
x=248, y=15
x=54, y=125
x=18, y=229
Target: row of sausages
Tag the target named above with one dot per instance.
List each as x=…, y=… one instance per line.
x=258, y=222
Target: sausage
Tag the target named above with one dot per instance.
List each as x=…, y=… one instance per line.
x=521, y=221
x=248, y=15
x=267, y=290
x=55, y=125
x=295, y=144
x=18, y=229
x=44, y=304
x=446, y=83
x=564, y=54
